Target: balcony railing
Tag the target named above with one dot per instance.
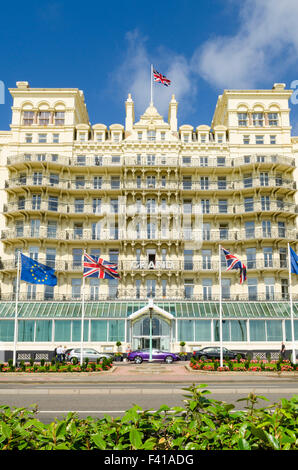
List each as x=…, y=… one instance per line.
x=172, y=295
x=152, y=160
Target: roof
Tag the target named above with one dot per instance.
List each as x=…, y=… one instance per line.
x=118, y=309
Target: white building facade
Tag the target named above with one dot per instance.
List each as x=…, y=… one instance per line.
x=158, y=200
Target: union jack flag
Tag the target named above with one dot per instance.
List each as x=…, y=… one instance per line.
x=158, y=77
x=234, y=263
x=97, y=267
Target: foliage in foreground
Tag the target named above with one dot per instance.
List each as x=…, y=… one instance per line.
x=203, y=424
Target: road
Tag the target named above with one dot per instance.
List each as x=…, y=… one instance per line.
x=56, y=400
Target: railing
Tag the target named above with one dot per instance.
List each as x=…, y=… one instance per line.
x=171, y=296
x=122, y=234
x=134, y=265
x=149, y=161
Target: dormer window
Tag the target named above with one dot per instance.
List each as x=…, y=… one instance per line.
x=82, y=136
x=59, y=118
x=44, y=118
x=220, y=138
x=28, y=118
x=162, y=136
x=140, y=136
x=99, y=137
x=185, y=138
x=151, y=136
x=258, y=119
x=203, y=138
x=242, y=119
x=273, y=119
x=116, y=137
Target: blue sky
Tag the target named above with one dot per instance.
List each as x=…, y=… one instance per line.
x=106, y=48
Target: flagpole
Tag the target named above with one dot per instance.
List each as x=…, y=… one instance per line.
x=151, y=83
x=83, y=312
x=16, y=312
x=291, y=308
x=220, y=306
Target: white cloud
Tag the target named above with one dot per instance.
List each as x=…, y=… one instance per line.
x=263, y=47
x=133, y=76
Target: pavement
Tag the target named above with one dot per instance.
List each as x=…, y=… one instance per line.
x=129, y=373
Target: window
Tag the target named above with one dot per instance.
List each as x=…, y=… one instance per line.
x=82, y=136
x=186, y=161
x=96, y=205
x=278, y=179
x=151, y=288
x=94, y=288
x=44, y=118
x=138, y=288
x=203, y=138
x=207, y=289
x=21, y=203
x=140, y=136
x=54, y=179
x=259, y=139
x=163, y=136
x=224, y=231
x=37, y=178
x=206, y=257
x=53, y=203
x=248, y=204
x=81, y=160
x=55, y=138
x=269, y=288
x=221, y=182
x=164, y=287
x=75, y=290
x=206, y=231
x=42, y=138
x=203, y=161
x=223, y=206
x=98, y=160
x=97, y=182
x=204, y=182
x=188, y=288
x=114, y=206
x=188, y=260
x=151, y=136
x=19, y=228
x=150, y=159
x=265, y=203
x=150, y=181
x=115, y=182
x=284, y=289
x=258, y=119
x=264, y=179
x=59, y=118
x=246, y=140
x=220, y=138
x=268, y=260
x=281, y=229
x=273, y=119
x=205, y=205
x=225, y=288
x=51, y=257
x=80, y=182
x=78, y=231
x=247, y=180
x=36, y=201
x=242, y=119
x=28, y=118
x=232, y=330
x=79, y=205
x=266, y=228
x=28, y=138
x=52, y=229
x=283, y=257
x=221, y=161
x=77, y=257
x=273, y=139
x=252, y=285
x=96, y=231
x=250, y=229
x=251, y=258
x=116, y=137
x=99, y=136
x=35, y=226
x=185, y=138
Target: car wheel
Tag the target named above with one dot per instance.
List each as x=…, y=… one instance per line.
x=169, y=359
x=138, y=360
x=203, y=358
x=74, y=360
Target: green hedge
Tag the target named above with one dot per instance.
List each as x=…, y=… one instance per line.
x=203, y=424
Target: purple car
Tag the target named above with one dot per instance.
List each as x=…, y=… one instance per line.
x=144, y=354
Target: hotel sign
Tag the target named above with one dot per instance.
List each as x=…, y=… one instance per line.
x=152, y=265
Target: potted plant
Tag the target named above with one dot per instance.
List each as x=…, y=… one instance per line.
x=118, y=355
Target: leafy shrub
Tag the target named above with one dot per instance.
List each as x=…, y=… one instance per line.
x=202, y=424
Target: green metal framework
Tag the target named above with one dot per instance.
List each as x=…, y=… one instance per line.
x=56, y=310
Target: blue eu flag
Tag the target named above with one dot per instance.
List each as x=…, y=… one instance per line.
x=294, y=262
x=36, y=273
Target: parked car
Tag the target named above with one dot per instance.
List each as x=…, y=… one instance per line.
x=89, y=353
x=214, y=353
x=144, y=355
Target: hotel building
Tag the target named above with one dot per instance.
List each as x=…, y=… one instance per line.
x=158, y=199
